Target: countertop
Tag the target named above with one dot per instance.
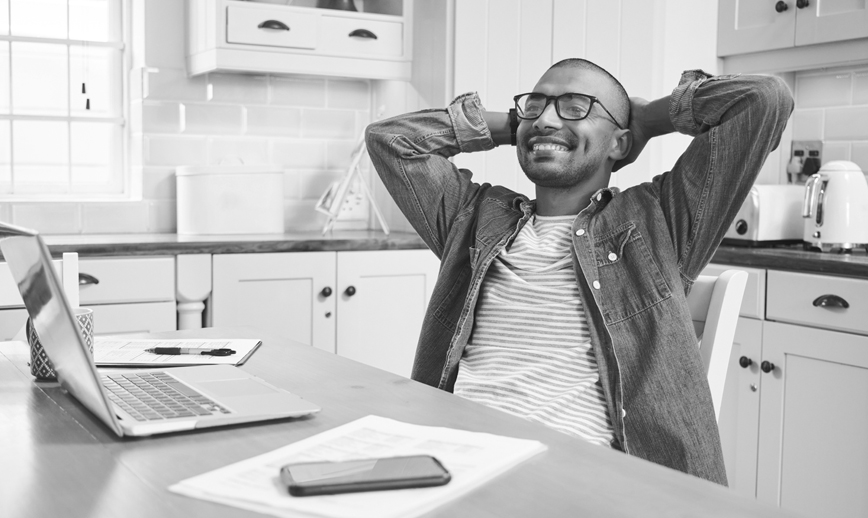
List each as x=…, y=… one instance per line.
x=790, y=258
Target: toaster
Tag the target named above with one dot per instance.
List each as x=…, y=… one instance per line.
x=770, y=214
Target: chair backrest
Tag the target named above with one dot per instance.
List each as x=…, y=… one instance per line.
x=714, y=306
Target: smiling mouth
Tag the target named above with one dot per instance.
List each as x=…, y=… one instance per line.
x=549, y=147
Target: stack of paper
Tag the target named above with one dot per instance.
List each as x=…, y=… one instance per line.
x=472, y=459
x=113, y=351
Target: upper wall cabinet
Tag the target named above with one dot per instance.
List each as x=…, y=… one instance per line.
x=246, y=36
x=791, y=34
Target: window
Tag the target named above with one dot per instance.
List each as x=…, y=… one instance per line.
x=62, y=100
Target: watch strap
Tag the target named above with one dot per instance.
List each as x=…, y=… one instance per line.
x=513, y=125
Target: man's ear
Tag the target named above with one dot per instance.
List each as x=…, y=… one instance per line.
x=622, y=143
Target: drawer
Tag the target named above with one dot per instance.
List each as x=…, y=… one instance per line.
x=244, y=24
x=346, y=36
x=792, y=298
x=139, y=279
x=148, y=317
x=754, y=302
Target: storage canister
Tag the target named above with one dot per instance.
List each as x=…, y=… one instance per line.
x=229, y=199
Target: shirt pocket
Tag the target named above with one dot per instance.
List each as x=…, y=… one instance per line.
x=630, y=280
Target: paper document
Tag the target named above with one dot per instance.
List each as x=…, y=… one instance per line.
x=472, y=459
x=113, y=351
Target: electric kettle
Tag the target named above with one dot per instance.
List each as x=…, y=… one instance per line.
x=836, y=207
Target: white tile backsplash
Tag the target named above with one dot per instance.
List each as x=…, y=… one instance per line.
x=249, y=151
x=836, y=151
x=158, y=183
x=823, y=90
x=161, y=117
x=355, y=95
x=298, y=92
x=169, y=84
x=113, y=218
x=164, y=150
x=237, y=88
x=205, y=119
x=807, y=124
x=859, y=155
x=850, y=123
x=328, y=124
x=274, y=120
x=299, y=154
x=48, y=218
x=162, y=216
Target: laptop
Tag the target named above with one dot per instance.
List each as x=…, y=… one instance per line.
x=135, y=402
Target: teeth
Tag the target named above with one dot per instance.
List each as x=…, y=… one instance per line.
x=549, y=147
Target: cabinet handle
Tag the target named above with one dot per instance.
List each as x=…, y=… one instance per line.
x=274, y=24
x=767, y=366
x=781, y=6
x=363, y=33
x=326, y=292
x=85, y=278
x=350, y=291
x=745, y=362
x=801, y=4
x=830, y=301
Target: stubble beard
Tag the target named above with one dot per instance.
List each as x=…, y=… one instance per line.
x=560, y=176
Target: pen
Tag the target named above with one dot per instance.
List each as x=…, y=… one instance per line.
x=187, y=350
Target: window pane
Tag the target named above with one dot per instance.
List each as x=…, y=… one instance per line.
x=4, y=77
x=96, y=68
x=4, y=17
x=96, y=157
x=39, y=79
x=5, y=164
x=89, y=20
x=41, y=152
x=40, y=18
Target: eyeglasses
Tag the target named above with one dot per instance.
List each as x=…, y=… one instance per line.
x=569, y=106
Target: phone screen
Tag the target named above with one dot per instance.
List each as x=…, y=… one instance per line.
x=318, y=478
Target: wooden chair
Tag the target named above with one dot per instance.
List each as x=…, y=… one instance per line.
x=714, y=306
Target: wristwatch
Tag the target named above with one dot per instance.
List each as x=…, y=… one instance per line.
x=513, y=125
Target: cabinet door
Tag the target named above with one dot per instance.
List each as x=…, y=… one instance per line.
x=813, y=451
x=379, y=319
x=145, y=317
x=753, y=25
x=831, y=20
x=280, y=293
x=739, y=413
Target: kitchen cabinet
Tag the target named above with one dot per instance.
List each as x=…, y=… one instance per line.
x=751, y=26
x=237, y=36
x=127, y=295
x=363, y=305
x=795, y=409
x=786, y=35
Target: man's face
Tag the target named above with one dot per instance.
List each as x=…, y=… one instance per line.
x=559, y=153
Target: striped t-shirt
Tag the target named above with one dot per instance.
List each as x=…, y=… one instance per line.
x=530, y=352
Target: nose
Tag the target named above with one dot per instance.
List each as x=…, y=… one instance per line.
x=549, y=118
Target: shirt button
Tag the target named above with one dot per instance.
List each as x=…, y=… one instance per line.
x=612, y=256
x=580, y=232
x=596, y=285
x=623, y=413
x=599, y=197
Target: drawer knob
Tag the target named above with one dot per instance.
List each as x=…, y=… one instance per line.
x=830, y=301
x=350, y=291
x=326, y=292
x=363, y=33
x=781, y=6
x=274, y=24
x=767, y=366
x=85, y=278
x=745, y=362
x=801, y=4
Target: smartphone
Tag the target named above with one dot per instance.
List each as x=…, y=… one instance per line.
x=330, y=478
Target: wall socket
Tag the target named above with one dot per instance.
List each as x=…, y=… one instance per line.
x=805, y=160
x=356, y=206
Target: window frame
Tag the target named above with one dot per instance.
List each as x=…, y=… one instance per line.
x=122, y=178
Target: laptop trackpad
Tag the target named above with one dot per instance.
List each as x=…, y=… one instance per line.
x=235, y=388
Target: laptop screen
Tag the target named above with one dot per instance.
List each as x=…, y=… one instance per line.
x=30, y=263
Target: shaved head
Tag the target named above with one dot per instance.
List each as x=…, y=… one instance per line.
x=621, y=110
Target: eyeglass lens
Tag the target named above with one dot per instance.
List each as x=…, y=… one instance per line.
x=569, y=106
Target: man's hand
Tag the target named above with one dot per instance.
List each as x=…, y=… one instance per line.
x=647, y=120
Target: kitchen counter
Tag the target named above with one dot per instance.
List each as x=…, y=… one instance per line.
x=95, y=245
x=791, y=258
x=794, y=258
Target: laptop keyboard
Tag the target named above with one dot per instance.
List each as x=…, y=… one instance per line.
x=152, y=396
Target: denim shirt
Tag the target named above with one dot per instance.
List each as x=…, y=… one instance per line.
x=636, y=253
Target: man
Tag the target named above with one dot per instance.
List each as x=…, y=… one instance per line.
x=571, y=310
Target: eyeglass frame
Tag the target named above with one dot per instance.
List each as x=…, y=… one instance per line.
x=550, y=98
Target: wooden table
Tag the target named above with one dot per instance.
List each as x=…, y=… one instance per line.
x=58, y=460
